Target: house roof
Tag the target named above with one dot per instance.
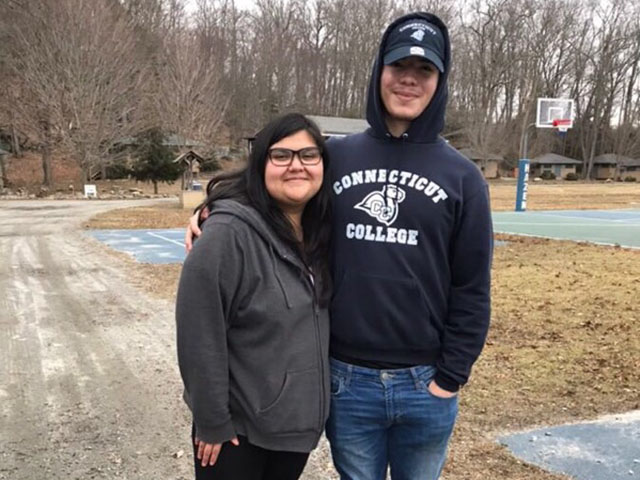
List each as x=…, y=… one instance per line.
x=169, y=141
x=632, y=162
x=337, y=126
x=473, y=154
x=613, y=159
x=554, y=159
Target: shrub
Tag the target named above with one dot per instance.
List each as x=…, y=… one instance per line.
x=629, y=179
x=548, y=175
x=571, y=176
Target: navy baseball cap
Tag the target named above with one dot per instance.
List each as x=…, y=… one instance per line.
x=415, y=38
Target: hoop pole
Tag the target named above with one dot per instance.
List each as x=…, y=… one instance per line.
x=523, y=173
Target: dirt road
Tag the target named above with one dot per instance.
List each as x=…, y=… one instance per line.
x=88, y=382
x=89, y=386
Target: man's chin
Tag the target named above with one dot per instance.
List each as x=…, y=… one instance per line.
x=404, y=116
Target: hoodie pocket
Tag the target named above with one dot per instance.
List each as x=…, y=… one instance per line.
x=370, y=311
x=297, y=406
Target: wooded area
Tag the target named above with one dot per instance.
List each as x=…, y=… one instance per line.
x=77, y=75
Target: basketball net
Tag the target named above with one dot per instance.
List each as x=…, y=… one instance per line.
x=562, y=125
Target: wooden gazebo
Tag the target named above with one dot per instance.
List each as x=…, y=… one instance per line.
x=191, y=162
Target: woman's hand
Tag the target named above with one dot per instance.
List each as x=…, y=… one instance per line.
x=436, y=391
x=193, y=230
x=208, y=452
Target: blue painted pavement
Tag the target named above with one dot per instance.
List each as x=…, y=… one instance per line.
x=606, y=449
x=146, y=246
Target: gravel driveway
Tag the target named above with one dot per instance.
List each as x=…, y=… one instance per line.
x=89, y=386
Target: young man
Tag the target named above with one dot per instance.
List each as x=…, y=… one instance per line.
x=411, y=267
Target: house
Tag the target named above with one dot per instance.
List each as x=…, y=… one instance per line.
x=612, y=165
x=172, y=141
x=487, y=162
x=331, y=127
x=339, y=126
x=559, y=165
x=630, y=168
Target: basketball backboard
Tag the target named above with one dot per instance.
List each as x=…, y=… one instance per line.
x=551, y=109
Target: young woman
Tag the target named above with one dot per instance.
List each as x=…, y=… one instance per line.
x=252, y=320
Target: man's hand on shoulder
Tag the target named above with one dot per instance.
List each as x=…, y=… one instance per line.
x=193, y=230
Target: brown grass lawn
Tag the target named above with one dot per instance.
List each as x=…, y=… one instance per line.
x=541, y=196
x=564, y=344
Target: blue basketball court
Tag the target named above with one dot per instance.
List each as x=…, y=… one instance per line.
x=604, y=227
x=146, y=246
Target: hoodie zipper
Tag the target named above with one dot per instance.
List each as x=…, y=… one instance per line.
x=316, y=323
x=315, y=307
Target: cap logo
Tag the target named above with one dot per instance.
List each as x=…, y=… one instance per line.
x=419, y=26
x=418, y=35
x=417, y=51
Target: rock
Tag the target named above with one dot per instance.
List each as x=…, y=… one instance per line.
x=178, y=454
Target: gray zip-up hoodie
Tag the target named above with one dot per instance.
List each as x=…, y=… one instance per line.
x=252, y=340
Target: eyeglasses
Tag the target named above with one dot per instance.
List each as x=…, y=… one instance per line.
x=282, y=157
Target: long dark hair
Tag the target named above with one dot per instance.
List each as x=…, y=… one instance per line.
x=247, y=186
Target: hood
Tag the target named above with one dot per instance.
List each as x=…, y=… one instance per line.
x=427, y=127
x=251, y=217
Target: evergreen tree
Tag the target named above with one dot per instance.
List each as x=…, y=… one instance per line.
x=155, y=160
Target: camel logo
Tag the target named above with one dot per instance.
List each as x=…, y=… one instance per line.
x=383, y=205
x=418, y=35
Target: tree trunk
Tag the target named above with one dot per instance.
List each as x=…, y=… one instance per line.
x=46, y=166
x=155, y=187
x=2, y=173
x=15, y=142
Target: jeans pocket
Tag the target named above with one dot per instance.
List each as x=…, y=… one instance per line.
x=337, y=384
x=425, y=376
x=444, y=399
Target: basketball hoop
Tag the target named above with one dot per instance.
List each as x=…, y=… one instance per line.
x=562, y=125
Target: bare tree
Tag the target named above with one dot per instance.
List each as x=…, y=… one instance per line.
x=77, y=64
x=189, y=96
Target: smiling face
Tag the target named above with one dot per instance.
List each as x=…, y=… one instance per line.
x=406, y=88
x=294, y=185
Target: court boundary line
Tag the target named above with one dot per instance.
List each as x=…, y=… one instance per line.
x=569, y=240
x=498, y=222
x=165, y=238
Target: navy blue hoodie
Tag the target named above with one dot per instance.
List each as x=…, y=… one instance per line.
x=412, y=243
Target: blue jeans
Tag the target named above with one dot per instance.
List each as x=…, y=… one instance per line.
x=382, y=418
